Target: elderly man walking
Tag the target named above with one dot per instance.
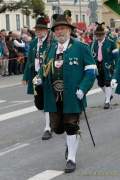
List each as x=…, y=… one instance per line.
x=37, y=50
x=67, y=75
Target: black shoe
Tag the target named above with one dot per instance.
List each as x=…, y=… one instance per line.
x=70, y=166
x=66, y=153
x=47, y=135
x=107, y=106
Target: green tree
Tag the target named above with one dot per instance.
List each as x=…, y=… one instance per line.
x=28, y=6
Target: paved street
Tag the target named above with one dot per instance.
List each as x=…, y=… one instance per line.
x=24, y=156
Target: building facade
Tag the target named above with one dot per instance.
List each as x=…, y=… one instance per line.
x=15, y=20
x=80, y=9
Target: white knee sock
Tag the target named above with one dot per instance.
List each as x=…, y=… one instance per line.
x=108, y=93
x=103, y=88
x=72, y=144
x=47, y=122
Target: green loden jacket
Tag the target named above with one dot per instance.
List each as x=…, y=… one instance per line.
x=29, y=71
x=117, y=75
x=109, y=58
x=78, y=73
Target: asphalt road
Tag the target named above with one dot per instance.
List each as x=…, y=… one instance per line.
x=24, y=156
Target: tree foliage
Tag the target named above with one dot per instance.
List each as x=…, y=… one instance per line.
x=35, y=7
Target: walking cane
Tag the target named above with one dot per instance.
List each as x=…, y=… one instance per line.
x=88, y=123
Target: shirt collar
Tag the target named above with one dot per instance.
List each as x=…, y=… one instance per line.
x=43, y=39
x=101, y=42
x=65, y=44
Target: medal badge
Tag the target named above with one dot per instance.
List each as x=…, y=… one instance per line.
x=70, y=63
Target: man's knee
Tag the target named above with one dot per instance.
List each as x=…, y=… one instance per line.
x=101, y=83
x=107, y=83
x=71, y=129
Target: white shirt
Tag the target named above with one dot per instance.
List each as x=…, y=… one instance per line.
x=40, y=41
x=101, y=42
x=65, y=45
x=37, y=63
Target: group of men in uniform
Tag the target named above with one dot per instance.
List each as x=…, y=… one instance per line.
x=67, y=69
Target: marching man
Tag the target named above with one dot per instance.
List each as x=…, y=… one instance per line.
x=103, y=50
x=115, y=83
x=38, y=48
x=67, y=75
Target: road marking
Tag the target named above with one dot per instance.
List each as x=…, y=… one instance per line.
x=16, y=103
x=22, y=102
x=14, y=148
x=2, y=101
x=9, y=85
x=17, y=113
x=46, y=175
x=31, y=109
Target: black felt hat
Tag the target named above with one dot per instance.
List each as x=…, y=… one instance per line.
x=61, y=20
x=42, y=22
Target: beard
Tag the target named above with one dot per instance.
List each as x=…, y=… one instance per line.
x=62, y=38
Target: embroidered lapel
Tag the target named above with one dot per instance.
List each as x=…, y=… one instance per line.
x=69, y=45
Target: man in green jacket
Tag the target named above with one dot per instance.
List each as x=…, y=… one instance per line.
x=67, y=75
x=115, y=82
x=38, y=48
x=104, y=50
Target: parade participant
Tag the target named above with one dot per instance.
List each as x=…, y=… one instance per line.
x=37, y=50
x=103, y=51
x=115, y=82
x=67, y=75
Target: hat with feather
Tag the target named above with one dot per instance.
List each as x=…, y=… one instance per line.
x=61, y=20
x=42, y=22
x=100, y=30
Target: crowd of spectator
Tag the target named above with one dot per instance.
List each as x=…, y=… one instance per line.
x=14, y=48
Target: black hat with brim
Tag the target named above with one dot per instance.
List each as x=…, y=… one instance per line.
x=42, y=22
x=41, y=26
x=61, y=20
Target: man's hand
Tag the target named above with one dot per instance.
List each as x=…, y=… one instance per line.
x=24, y=82
x=80, y=94
x=37, y=80
x=114, y=83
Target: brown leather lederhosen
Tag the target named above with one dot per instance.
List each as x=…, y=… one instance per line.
x=61, y=122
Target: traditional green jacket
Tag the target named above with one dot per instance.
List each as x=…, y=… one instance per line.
x=109, y=59
x=117, y=75
x=29, y=71
x=78, y=73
